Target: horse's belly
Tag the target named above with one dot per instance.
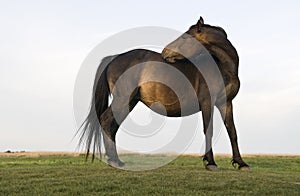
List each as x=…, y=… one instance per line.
x=165, y=101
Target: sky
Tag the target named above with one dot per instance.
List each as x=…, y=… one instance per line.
x=44, y=43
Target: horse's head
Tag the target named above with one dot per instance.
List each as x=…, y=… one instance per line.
x=187, y=45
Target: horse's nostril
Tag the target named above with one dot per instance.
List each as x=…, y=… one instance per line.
x=165, y=54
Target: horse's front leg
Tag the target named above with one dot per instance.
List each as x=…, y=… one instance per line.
x=207, y=115
x=227, y=115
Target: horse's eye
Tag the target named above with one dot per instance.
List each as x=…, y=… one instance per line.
x=185, y=36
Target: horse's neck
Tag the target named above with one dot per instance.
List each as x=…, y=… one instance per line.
x=226, y=63
x=225, y=45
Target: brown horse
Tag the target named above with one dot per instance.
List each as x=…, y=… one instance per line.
x=196, y=72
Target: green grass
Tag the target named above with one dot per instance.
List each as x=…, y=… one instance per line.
x=70, y=175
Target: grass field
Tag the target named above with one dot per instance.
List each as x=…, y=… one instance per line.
x=58, y=174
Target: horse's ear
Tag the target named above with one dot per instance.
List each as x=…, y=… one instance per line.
x=201, y=20
x=200, y=23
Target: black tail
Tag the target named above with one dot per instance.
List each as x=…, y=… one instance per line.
x=91, y=132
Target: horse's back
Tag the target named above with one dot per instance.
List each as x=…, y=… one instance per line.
x=126, y=68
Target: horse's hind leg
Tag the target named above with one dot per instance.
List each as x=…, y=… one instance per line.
x=110, y=120
x=110, y=128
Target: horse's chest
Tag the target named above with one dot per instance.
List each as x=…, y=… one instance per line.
x=232, y=87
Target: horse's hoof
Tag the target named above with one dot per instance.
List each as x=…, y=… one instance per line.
x=117, y=164
x=212, y=168
x=121, y=164
x=245, y=168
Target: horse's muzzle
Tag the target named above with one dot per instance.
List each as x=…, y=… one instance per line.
x=171, y=56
